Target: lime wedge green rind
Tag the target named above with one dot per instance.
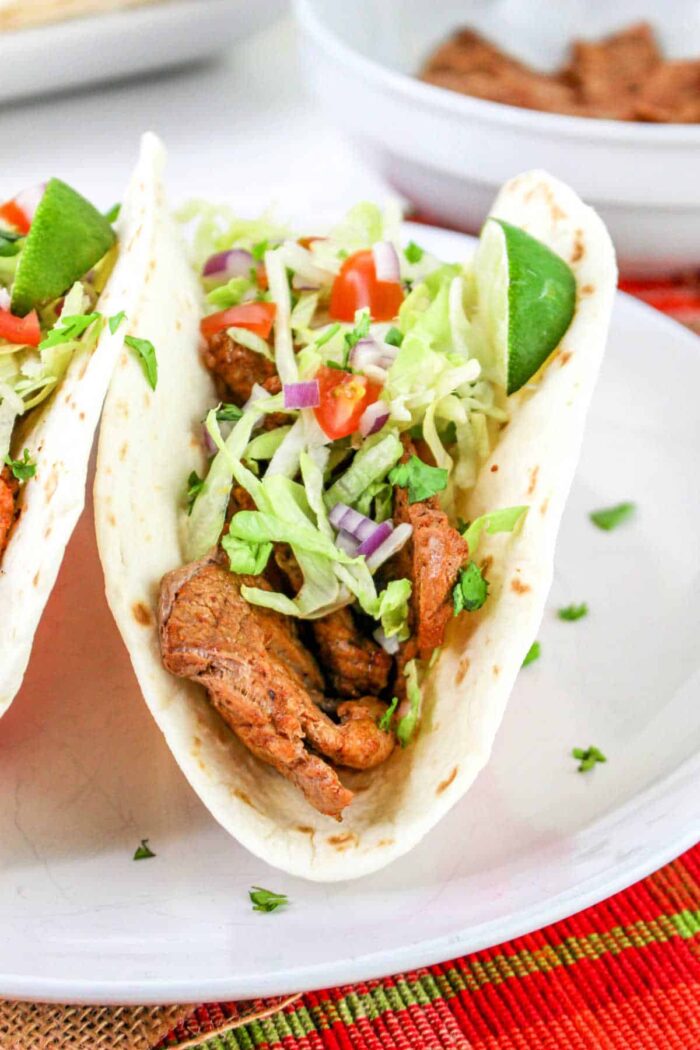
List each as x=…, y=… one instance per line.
x=541, y=303
x=67, y=237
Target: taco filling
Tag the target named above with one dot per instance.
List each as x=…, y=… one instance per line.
x=56, y=253
x=363, y=383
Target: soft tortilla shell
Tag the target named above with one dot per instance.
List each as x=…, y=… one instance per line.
x=59, y=437
x=138, y=500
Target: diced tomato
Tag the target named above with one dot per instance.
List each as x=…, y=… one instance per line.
x=23, y=330
x=356, y=287
x=13, y=215
x=344, y=397
x=254, y=317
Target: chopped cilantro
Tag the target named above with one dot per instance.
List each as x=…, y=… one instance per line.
x=394, y=337
x=471, y=590
x=144, y=852
x=258, y=250
x=573, y=612
x=328, y=334
x=421, y=480
x=413, y=252
x=610, y=517
x=228, y=413
x=532, y=654
x=24, y=468
x=587, y=757
x=384, y=722
x=69, y=329
x=146, y=352
x=266, y=900
x=195, y=484
x=115, y=321
x=334, y=364
x=342, y=254
x=113, y=214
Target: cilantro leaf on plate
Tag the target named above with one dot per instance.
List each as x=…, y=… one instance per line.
x=533, y=653
x=144, y=851
x=266, y=900
x=573, y=612
x=610, y=517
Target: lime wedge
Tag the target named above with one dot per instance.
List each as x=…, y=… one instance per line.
x=67, y=237
x=527, y=297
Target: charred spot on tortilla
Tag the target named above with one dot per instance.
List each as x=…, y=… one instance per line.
x=37, y=577
x=304, y=829
x=518, y=586
x=244, y=797
x=496, y=670
x=544, y=506
x=533, y=480
x=579, y=249
x=564, y=357
x=587, y=289
x=462, y=669
x=494, y=468
x=343, y=842
x=51, y=483
x=123, y=451
x=444, y=784
x=142, y=614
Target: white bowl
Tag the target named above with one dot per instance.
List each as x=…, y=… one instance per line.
x=449, y=153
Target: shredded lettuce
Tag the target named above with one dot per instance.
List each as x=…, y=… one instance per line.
x=408, y=721
x=266, y=444
x=371, y=463
x=217, y=228
x=251, y=341
x=245, y=557
x=285, y=358
x=232, y=293
x=506, y=520
x=392, y=609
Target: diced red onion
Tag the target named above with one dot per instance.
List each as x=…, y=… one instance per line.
x=235, y=263
x=375, y=539
x=394, y=542
x=373, y=418
x=303, y=284
x=386, y=262
x=344, y=517
x=4, y=299
x=28, y=199
x=302, y=395
x=346, y=543
x=389, y=645
x=368, y=353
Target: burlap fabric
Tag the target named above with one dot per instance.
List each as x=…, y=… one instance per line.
x=43, y=1026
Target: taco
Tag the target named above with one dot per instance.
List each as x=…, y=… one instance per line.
x=65, y=281
x=328, y=533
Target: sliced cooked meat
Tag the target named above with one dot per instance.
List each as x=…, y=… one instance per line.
x=8, y=495
x=671, y=95
x=239, y=367
x=353, y=664
x=431, y=560
x=263, y=682
x=605, y=71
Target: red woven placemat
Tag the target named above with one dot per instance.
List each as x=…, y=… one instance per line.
x=623, y=975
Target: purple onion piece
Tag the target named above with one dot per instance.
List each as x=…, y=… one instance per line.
x=208, y=442
x=393, y=543
x=302, y=395
x=365, y=352
x=344, y=517
x=376, y=538
x=386, y=262
x=234, y=263
x=373, y=418
x=346, y=543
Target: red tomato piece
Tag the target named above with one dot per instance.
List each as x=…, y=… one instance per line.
x=254, y=317
x=25, y=331
x=13, y=215
x=344, y=397
x=356, y=288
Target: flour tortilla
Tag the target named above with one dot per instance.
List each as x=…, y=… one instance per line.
x=23, y=14
x=59, y=436
x=149, y=442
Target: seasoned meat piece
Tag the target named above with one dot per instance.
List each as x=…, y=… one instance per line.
x=263, y=682
x=239, y=367
x=431, y=560
x=353, y=664
x=608, y=71
x=437, y=553
x=672, y=93
x=8, y=494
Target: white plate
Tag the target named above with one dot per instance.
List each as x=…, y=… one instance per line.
x=84, y=774
x=125, y=43
x=449, y=153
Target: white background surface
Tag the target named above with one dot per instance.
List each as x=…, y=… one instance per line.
x=241, y=125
